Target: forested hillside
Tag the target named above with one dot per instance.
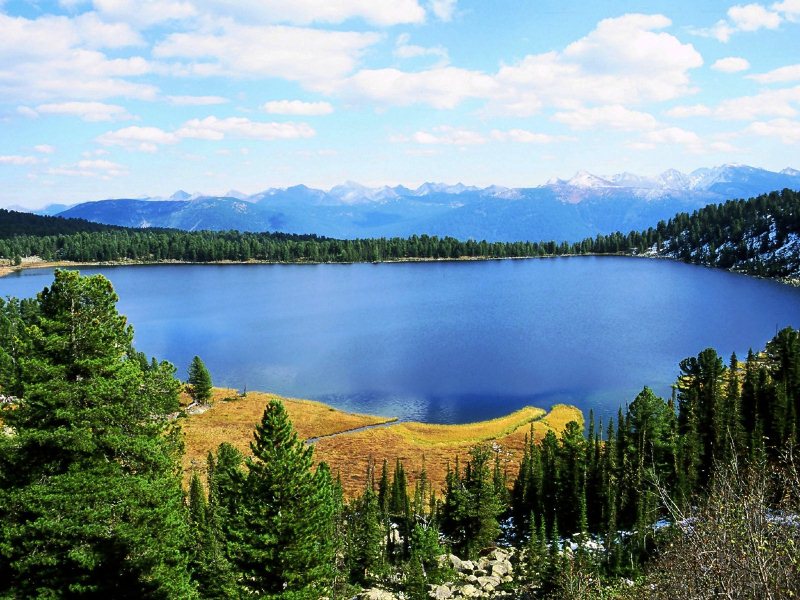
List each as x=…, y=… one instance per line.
x=760, y=236
x=13, y=223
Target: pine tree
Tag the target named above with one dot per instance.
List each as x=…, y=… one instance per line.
x=199, y=381
x=281, y=534
x=90, y=496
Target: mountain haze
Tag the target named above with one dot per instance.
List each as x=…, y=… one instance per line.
x=583, y=206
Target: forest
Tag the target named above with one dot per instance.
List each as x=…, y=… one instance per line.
x=696, y=495
x=742, y=235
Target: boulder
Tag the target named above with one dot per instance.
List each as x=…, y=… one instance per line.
x=376, y=594
x=440, y=592
x=469, y=591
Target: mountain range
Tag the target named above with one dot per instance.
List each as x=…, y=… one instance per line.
x=583, y=206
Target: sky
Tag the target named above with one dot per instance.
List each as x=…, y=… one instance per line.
x=134, y=98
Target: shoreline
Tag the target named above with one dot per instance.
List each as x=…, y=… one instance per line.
x=36, y=263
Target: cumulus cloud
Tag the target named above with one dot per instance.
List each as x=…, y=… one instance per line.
x=731, y=64
x=148, y=139
x=405, y=50
x=102, y=169
x=785, y=130
x=780, y=75
x=694, y=110
x=87, y=111
x=303, y=12
x=745, y=17
x=612, y=117
x=444, y=134
x=789, y=8
x=144, y=13
x=311, y=56
x=768, y=103
x=523, y=136
x=51, y=58
x=196, y=100
x=443, y=87
x=443, y=9
x=752, y=17
x=297, y=107
x=213, y=128
x=18, y=161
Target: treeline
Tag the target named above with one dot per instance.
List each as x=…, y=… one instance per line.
x=91, y=501
x=746, y=235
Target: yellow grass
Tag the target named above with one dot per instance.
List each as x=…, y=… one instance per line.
x=234, y=421
x=350, y=452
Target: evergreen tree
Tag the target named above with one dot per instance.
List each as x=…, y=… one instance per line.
x=366, y=534
x=281, y=534
x=90, y=496
x=199, y=381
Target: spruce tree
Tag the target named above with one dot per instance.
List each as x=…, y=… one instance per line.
x=199, y=381
x=281, y=535
x=90, y=495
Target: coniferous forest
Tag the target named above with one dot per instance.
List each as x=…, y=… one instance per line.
x=691, y=496
x=743, y=235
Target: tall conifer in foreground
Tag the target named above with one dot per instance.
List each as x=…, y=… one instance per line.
x=199, y=381
x=281, y=535
x=90, y=496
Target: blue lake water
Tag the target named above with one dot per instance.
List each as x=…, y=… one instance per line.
x=444, y=342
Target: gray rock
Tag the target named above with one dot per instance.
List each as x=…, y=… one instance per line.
x=466, y=565
x=469, y=591
x=376, y=594
x=440, y=592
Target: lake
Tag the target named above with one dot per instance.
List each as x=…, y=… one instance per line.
x=444, y=342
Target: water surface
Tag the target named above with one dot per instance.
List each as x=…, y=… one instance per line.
x=445, y=342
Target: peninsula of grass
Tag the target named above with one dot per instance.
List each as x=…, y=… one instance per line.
x=349, y=442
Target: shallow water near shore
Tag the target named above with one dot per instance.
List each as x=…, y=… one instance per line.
x=444, y=342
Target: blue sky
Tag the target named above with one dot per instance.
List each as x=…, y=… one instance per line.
x=131, y=98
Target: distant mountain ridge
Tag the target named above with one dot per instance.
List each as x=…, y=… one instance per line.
x=582, y=206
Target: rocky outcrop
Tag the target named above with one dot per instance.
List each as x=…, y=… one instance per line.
x=485, y=578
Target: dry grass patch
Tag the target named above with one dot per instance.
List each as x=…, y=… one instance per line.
x=233, y=421
x=437, y=446
x=350, y=452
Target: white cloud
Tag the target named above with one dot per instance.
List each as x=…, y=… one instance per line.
x=148, y=139
x=303, y=12
x=731, y=64
x=314, y=57
x=781, y=75
x=443, y=9
x=673, y=136
x=17, y=160
x=752, y=17
x=213, y=128
x=444, y=135
x=49, y=58
x=612, y=117
x=624, y=61
x=102, y=169
x=770, y=103
x=694, y=110
x=45, y=148
x=196, y=100
x=524, y=136
x=88, y=111
x=443, y=87
x=405, y=50
x=789, y=8
x=786, y=130
x=144, y=13
x=743, y=17
x=297, y=107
